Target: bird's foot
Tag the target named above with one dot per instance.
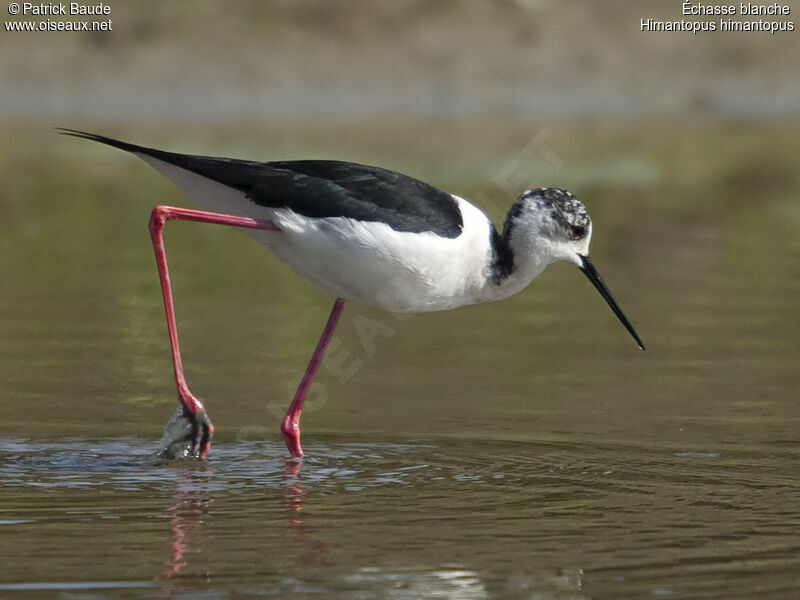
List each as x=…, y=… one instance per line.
x=291, y=435
x=186, y=435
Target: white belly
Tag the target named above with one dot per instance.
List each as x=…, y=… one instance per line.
x=370, y=263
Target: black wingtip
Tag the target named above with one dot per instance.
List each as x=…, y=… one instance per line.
x=100, y=138
x=74, y=132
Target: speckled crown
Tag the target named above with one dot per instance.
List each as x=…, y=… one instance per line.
x=566, y=211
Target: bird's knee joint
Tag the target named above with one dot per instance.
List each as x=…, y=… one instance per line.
x=158, y=217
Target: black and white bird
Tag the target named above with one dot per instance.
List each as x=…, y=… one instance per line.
x=367, y=235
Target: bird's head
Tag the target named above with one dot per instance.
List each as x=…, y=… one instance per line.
x=550, y=222
x=547, y=225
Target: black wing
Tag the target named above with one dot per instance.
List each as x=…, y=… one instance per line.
x=322, y=188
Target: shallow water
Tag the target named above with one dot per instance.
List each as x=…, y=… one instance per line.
x=524, y=449
x=432, y=518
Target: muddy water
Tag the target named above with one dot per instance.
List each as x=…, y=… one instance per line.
x=520, y=450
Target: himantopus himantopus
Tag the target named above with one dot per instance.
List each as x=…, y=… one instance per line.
x=368, y=235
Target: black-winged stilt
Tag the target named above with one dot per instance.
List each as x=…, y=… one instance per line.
x=368, y=235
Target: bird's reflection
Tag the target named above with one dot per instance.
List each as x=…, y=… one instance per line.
x=193, y=497
x=294, y=495
x=315, y=550
x=187, y=517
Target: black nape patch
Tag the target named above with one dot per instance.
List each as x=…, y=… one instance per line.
x=502, y=264
x=514, y=212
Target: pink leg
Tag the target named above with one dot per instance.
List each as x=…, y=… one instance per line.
x=290, y=427
x=193, y=409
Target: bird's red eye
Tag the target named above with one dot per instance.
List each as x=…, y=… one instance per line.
x=577, y=231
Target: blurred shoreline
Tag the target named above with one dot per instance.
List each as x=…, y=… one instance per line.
x=288, y=63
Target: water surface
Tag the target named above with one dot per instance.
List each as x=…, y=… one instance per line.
x=525, y=449
x=421, y=518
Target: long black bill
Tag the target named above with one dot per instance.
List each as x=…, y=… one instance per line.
x=597, y=281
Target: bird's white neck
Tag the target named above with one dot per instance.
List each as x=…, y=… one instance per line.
x=514, y=265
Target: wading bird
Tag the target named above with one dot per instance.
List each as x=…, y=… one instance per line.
x=367, y=235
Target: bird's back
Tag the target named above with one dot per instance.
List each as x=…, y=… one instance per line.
x=313, y=188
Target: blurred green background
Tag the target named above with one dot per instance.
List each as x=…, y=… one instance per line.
x=684, y=148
